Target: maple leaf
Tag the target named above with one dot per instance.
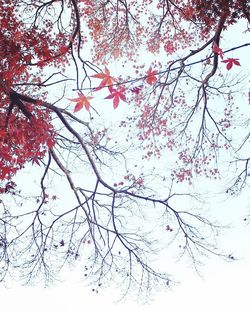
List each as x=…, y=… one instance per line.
x=107, y=80
x=136, y=90
x=81, y=101
x=117, y=95
x=151, y=78
x=230, y=62
x=217, y=50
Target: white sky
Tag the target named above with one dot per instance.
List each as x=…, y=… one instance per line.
x=224, y=286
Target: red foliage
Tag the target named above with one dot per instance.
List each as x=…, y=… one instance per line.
x=107, y=80
x=230, y=62
x=24, y=140
x=217, y=50
x=117, y=95
x=151, y=76
x=81, y=101
x=26, y=50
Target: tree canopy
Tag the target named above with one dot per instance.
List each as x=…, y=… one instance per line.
x=126, y=103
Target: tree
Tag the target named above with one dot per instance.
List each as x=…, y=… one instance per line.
x=49, y=123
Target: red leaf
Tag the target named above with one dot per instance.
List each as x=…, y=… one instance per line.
x=151, y=78
x=117, y=95
x=217, y=50
x=81, y=101
x=136, y=90
x=107, y=80
x=230, y=62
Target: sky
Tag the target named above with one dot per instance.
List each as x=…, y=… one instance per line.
x=224, y=287
x=221, y=285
